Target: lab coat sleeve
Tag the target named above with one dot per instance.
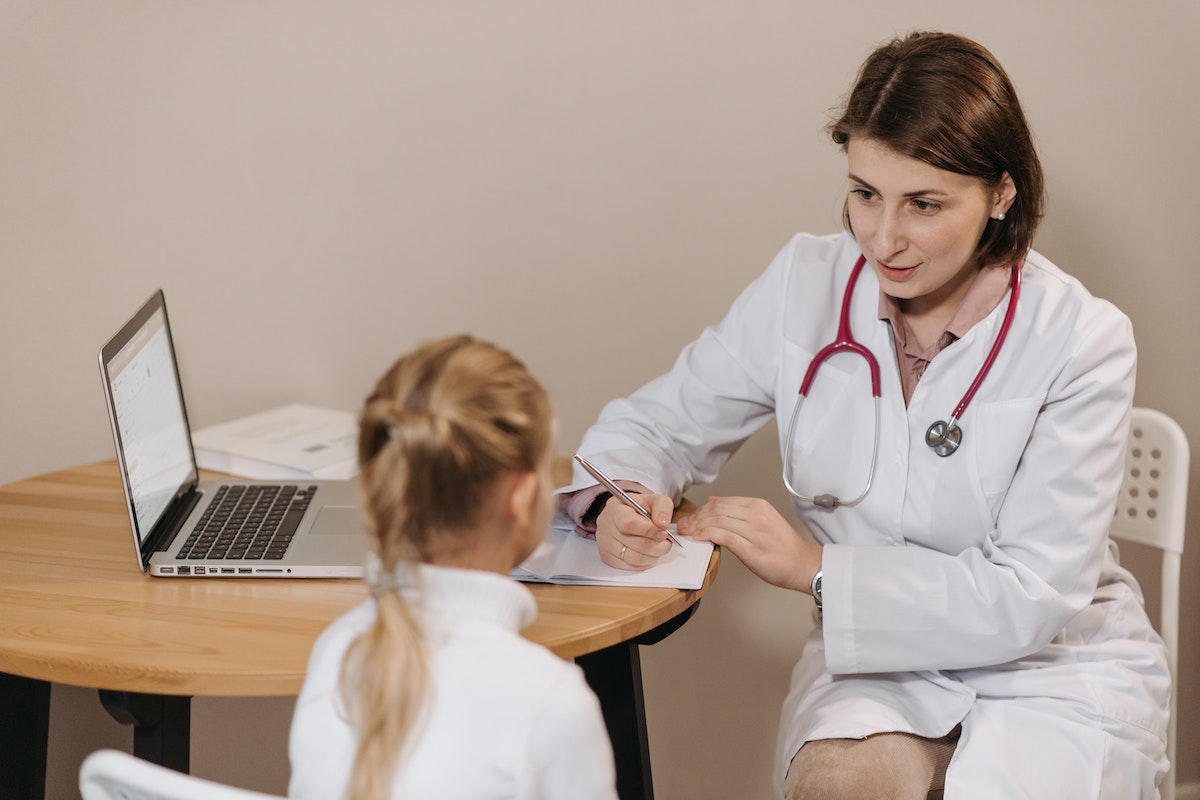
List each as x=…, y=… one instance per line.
x=679, y=429
x=890, y=609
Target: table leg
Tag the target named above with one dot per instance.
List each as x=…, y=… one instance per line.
x=161, y=725
x=615, y=675
x=24, y=731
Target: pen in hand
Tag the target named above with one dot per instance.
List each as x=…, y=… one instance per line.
x=624, y=496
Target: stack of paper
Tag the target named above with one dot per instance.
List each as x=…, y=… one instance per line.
x=565, y=557
x=295, y=442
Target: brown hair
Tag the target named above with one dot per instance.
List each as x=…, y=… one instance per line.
x=442, y=426
x=945, y=100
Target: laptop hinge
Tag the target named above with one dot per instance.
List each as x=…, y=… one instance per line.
x=172, y=520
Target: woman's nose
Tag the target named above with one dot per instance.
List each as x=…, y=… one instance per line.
x=889, y=235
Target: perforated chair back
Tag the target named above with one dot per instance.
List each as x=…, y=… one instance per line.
x=113, y=775
x=1152, y=510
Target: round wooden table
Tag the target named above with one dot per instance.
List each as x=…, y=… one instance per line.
x=76, y=609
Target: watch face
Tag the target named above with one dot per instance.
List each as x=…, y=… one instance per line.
x=816, y=588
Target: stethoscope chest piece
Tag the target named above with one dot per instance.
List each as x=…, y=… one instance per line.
x=943, y=437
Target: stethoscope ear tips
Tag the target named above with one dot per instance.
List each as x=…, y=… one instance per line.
x=943, y=438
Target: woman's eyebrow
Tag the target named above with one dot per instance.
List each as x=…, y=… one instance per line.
x=920, y=193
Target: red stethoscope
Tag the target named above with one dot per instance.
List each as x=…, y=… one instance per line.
x=943, y=437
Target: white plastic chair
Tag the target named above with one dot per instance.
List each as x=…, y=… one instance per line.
x=1152, y=510
x=114, y=775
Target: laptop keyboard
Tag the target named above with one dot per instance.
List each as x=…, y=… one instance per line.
x=248, y=522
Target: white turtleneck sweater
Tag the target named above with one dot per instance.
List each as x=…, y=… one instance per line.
x=505, y=718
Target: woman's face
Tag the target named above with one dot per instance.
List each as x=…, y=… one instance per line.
x=919, y=226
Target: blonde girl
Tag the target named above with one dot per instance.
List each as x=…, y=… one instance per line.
x=427, y=689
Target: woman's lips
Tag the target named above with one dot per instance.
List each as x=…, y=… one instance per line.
x=899, y=274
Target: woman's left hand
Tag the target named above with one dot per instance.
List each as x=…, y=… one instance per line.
x=759, y=536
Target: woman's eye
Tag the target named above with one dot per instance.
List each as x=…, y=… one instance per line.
x=863, y=194
x=925, y=206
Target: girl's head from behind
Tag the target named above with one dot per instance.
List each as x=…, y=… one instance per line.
x=945, y=100
x=455, y=447
x=441, y=432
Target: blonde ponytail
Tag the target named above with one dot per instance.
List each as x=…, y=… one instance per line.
x=442, y=425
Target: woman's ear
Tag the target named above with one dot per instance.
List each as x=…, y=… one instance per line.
x=1006, y=194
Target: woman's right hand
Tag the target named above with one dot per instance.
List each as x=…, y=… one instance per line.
x=626, y=539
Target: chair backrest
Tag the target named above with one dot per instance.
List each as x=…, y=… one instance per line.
x=1152, y=510
x=114, y=775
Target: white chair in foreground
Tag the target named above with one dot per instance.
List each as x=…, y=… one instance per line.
x=1151, y=510
x=114, y=775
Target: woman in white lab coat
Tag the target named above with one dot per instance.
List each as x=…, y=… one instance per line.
x=978, y=631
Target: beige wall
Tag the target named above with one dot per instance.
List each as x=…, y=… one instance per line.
x=317, y=185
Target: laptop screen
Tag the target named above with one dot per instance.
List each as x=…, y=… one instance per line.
x=146, y=403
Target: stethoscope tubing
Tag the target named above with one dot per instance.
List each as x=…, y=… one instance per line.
x=845, y=341
x=827, y=500
x=943, y=438
x=985, y=370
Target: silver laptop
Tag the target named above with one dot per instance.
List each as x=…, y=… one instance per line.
x=214, y=529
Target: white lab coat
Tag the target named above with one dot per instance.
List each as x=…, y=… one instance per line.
x=979, y=589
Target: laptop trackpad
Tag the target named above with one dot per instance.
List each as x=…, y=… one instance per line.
x=338, y=521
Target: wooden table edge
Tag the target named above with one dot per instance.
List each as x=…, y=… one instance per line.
x=76, y=671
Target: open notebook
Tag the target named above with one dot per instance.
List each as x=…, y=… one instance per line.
x=565, y=557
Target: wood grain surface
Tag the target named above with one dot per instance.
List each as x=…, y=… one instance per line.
x=75, y=608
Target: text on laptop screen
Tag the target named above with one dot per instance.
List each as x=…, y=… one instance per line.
x=150, y=417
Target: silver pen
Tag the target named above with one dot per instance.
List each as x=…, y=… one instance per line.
x=624, y=496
